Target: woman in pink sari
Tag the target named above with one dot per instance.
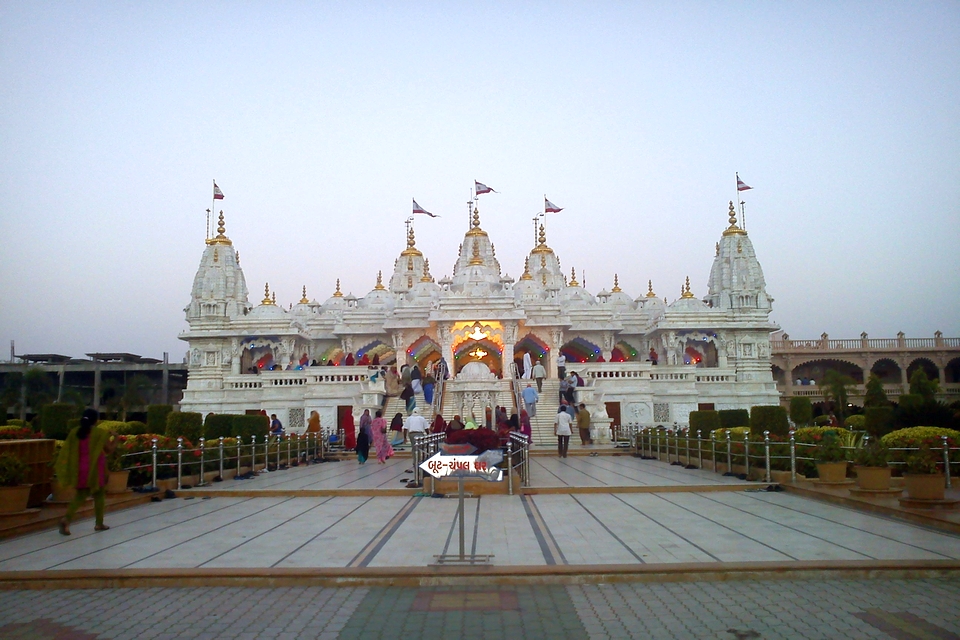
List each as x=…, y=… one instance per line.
x=381, y=441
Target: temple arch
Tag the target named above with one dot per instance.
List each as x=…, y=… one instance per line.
x=424, y=352
x=623, y=352
x=483, y=350
x=537, y=348
x=378, y=349
x=813, y=370
x=952, y=371
x=580, y=350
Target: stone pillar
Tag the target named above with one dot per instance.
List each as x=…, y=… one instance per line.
x=788, y=375
x=166, y=378
x=904, y=380
x=96, y=386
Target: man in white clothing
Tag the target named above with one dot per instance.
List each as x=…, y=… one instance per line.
x=561, y=366
x=416, y=424
x=563, y=430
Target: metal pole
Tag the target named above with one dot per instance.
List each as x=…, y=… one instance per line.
x=201, y=482
x=266, y=452
x=658, y=443
x=179, y=460
x=713, y=448
x=510, y=467
x=729, y=456
x=699, y=449
x=686, y=439
x=239, y=446
x=766, y=453
x=279, y=442
x=253, y=453
x=154, y=449
x=746, y=452
x=793, y=458
x=221, y=457
x=460, y=490
x=946, y=459
x=288, y=450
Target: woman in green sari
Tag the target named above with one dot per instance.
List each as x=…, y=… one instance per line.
x=82, y=464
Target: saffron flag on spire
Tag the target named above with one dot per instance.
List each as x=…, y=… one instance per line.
x=481, y=188
x=741, y=185
x=549, y=207
x=217, y=194
x=418, y=209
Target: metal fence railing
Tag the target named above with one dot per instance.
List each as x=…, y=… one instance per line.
x=221, y=456
x=729, y=454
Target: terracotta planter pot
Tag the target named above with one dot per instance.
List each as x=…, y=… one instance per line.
x=925, y=486
x=62, y=494
x=117, y=482
x=14, y=499
x=832, y=471
x=873, y=478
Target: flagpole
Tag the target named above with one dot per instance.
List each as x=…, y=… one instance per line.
x=743, y=215
x=213, y=206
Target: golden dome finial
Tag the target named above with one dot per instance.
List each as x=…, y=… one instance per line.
x=542, y=247
x=526, y=269
x=685, y=290
x=266, y=294
x=337, y=294
x=650, y=293
x=616, y=284
x=379, y=286
x=476, y=218
x=304, y=299
x=426, y=272
x=733, y=228
x=220, y=238
x=411, y=249
x=475, y=258
x=475, y=229
x=273, y=297
x=573, y=278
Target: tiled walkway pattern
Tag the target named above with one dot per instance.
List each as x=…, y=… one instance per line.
x=900, y=609
x=601, y=528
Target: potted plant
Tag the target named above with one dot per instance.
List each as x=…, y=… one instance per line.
x=871, y=465
x=831, y=459
x=923, y=478
x=13, y=493
x=117, y=480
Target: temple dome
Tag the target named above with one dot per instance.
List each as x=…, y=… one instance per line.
x=736, y=279
x=219, y=288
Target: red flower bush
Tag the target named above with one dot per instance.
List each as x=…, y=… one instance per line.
x=483, y=439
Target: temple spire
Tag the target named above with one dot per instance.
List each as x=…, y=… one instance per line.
x=650, y=293
x=616, y=284
x=337, y=293
x=304, y=299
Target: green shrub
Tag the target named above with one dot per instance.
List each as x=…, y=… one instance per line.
x=811, y=435
x=872, y=455
x=157, y=417
x=822, y=421
x=878, y=421
x=245, y=426
x=736, y=433
x=217, y=425
x=801, y=411
x=730, y=418
x=919, y=437
x=704, y=421
x=185, y=424
x=132, y=428
x=772, y=418
x=13, y=471
x=855, y=422
x=54, y=418
x=14, y=422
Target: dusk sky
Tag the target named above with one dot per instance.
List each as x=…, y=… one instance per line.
x=320, y=122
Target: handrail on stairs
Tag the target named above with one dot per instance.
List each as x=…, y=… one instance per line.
x=440, y=374
x=515, y=386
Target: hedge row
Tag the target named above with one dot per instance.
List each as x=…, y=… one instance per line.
x=192, y=426
x=772, y=418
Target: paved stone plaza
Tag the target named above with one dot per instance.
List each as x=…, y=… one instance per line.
x=606, y=511
x=901, y=609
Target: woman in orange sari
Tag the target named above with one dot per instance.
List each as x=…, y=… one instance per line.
x=349, y=431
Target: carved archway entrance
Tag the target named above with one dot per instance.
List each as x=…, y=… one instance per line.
x=537, y=348
x=424, y=352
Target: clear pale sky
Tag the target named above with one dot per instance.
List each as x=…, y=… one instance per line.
x=320, y=121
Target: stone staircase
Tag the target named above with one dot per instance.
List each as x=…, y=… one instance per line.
x=541, y=425
x=395, y=405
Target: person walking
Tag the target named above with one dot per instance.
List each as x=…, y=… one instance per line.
x=429, y=383
x=396, y=427
x=363, y=443
x=583, y=424
x=409, y=398
x=530, y=398
x=527, y=366
x=561, y=366
x=381, y=441
x=525, y=427
x=416, y=379
x=561, y=427
x=82, y=464
x=416, y=425
x=539, y=373
x=365, y=421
